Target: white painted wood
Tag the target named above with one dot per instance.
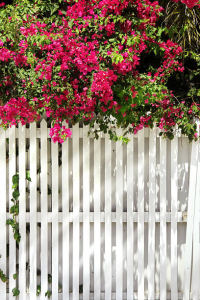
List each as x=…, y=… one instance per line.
x=181, y=218
x=54, y=149
x=190, y=220
x=196, y=253
x=130, y=153
x=3, y=211
x=12, y=242
x=33, y=211
x=22, y=211
x=119, y=218
x=76, y=210
x=110, y=217
x=163, y=229
x=65, y=208
x=152, y=197
x=86, y=216
x=196, y=260
x=44, y=221
x=174, y=208
x=141, y=214
x=97, y=232
x=108, y=220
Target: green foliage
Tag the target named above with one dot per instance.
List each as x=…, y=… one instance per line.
x=15, y=208
x=38, y=292
x=16, y=292
x=48, y=294
x=3, y=277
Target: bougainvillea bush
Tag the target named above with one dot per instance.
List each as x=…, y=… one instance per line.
x=107, y=61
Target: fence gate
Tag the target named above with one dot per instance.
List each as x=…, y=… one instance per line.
x=100, y=220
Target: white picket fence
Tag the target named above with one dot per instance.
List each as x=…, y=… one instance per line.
x=106, y=221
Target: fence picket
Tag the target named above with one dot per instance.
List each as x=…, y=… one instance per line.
x=130, y=153
x=119, y=218
x=152, y=197
x=65, y=205
x=44, y=221
x=141, y=214
x=22, y=211
x=12, y=242
x=76, y=210
x=33, y=211
x=3, y=210
x=190, y=221
x=54, y=147
x=163, y=229
x=86, y=216
x=108, y=222
x=174, y=208
x=196, y=260
x=97, y=229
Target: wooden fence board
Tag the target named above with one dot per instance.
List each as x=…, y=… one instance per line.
x=163, y=228
x=108, y=220
x=152, y=197
x=3, y=211
x=76, y=210
x=190, y=222
x=33, y=211
x=65, y=208
x=54, y=147
x=119, y=218
x=22, y=211
x=12, y=242
x=130, y=156
x=141, y=214
x=44, y=208
x=86, y=212
x=174, y=207
x=97, y=230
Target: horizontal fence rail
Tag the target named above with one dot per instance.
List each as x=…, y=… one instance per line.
x=98, y=219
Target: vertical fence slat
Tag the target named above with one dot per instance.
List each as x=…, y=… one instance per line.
x=174, y=207
x=196, y=261
x=86, y=216
x=97, y=233
x=3, y=210
x=54, y=157
x=33, y=211
x=22, y=211
x=44, y=221
x=65, y=205
x=141, y=214
x=76, y=210
x=152, y=197
x=163, y=229
x=119, y=218
x=190, y=221
x=12, y=242
x=130, y=153
x=108, y=222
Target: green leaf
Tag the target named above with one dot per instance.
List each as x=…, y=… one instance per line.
x=38, y=290
x=15, y=194
x=16, y=292
x=28, y=176
x=70, y=23
x=48, y=294
x=10, y=222
x=15, y=276
x=15, y=179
